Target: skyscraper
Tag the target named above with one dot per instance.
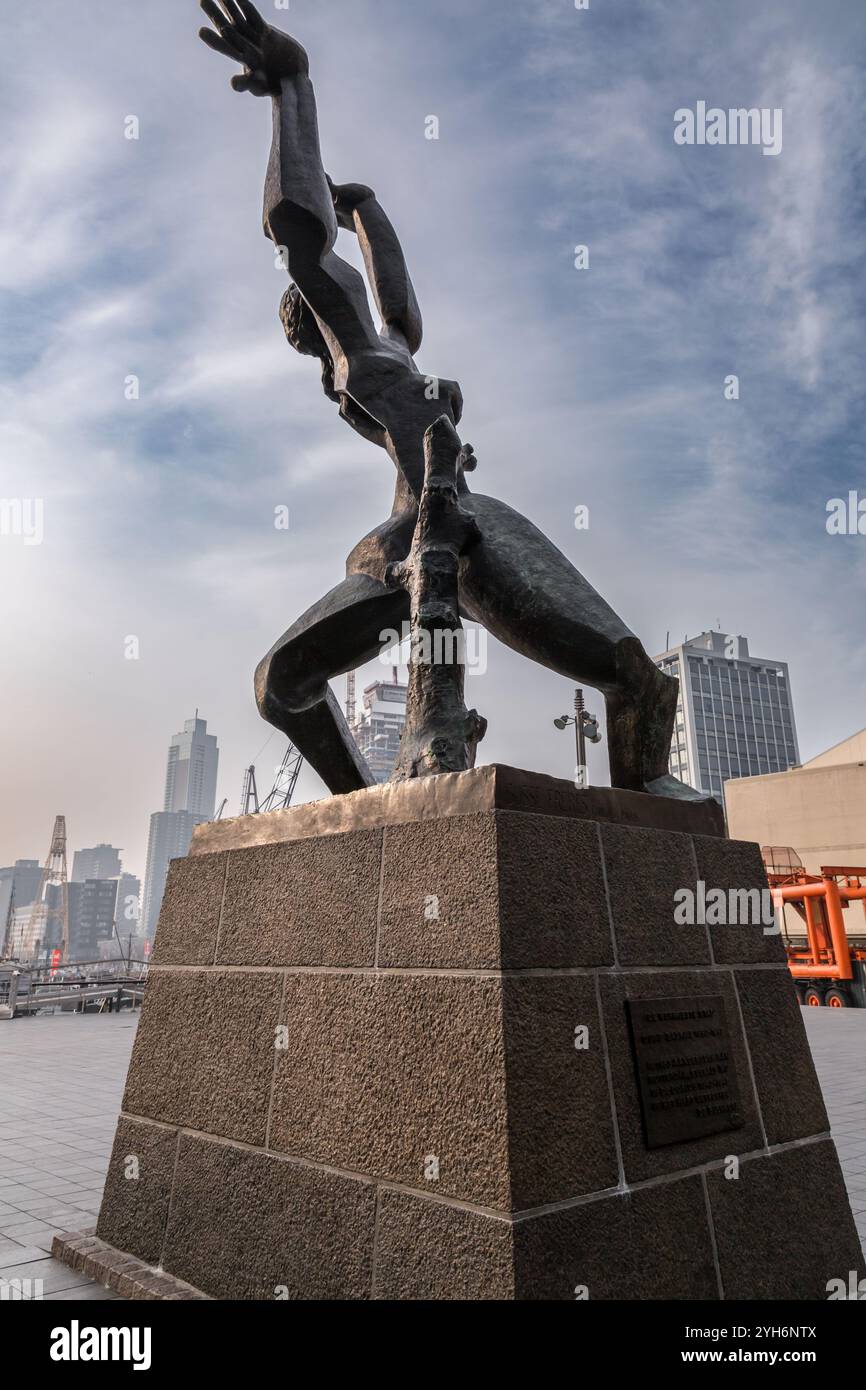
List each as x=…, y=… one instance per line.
x=190, y=778
x=735, y=716
x=190, y=798
x=378, y=728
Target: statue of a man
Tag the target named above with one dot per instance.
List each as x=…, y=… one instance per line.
x=513, y=581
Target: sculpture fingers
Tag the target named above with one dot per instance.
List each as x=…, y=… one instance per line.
x=249, y=49
x=220, y=45
x=218, y=18
x=233, y=44
x=237, y=15
x=252, y=16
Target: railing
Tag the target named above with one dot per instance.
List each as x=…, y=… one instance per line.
x=22, y=992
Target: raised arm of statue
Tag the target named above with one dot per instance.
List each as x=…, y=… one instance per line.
x=299, y=214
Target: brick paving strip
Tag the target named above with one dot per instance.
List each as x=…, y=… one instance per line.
x=61, y=1083
x=119, y=1273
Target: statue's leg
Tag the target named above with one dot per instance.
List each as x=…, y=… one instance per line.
x=529, y=595
x=340, y=632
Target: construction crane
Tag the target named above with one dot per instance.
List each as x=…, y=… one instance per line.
x=50, y=911
x=281, y=793
x=249, y=794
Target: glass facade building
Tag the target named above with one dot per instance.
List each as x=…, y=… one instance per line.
x=735, y=716
x=191, y=771
x=190, y=798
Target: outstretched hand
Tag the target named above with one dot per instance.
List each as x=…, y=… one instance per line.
x=241, y=34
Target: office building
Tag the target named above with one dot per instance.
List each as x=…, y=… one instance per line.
x=190, y=798
x=128, y=910
x=19, y=884
x=18, y=936
x=91, y=917
x=191, y=773
x=33, y=935
x=735, y=716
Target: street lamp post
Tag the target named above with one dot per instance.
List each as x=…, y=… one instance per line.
x=585, y=727
x=579, y=714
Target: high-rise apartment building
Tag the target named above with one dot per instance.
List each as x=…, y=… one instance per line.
x=190, y=798
x=735, y=716
x=379, y=725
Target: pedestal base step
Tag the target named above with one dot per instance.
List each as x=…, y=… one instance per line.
x=115, y=1270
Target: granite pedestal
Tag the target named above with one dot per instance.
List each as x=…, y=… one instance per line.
x=389, y=1050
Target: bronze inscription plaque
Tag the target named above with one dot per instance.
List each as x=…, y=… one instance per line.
x=686, y=1075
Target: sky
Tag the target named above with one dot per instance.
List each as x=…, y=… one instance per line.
x=601, y=388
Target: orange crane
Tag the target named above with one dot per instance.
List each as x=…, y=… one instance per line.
x=828, y=968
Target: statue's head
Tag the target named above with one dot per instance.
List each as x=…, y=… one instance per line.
x=303, y=332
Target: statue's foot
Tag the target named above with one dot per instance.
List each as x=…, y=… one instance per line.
x=641, y=713
x=670, y=786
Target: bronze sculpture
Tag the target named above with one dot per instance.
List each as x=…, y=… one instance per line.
x=512, y=579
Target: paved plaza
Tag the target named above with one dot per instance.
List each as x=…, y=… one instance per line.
x=61, y=1081
x=838, y=1041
